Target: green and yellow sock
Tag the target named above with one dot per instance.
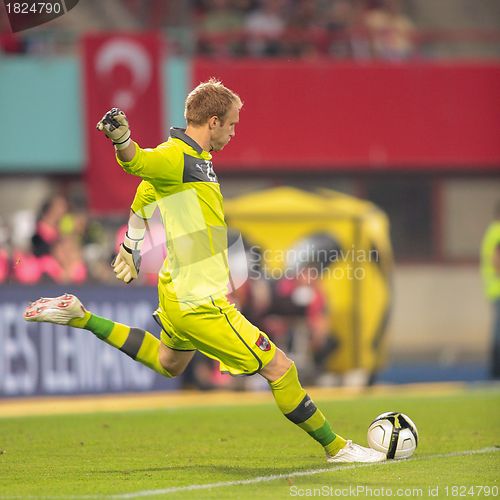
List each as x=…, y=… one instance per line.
x=139, y=344
x=298, y=407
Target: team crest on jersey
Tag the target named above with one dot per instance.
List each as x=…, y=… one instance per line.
x=263, y=343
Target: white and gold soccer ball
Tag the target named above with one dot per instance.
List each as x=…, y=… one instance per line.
x=394, y=434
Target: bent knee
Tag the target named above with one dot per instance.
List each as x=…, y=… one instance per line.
x=174, y=362
x=283, y=362
x=173, y=367
x=277, y=367
x=174, y=370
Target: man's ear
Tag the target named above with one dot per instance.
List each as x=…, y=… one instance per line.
x=212, y=122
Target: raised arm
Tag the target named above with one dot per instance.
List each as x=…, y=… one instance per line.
x=157, y=165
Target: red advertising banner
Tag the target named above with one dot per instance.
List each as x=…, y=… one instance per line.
x=123, y=71
x=323, y=115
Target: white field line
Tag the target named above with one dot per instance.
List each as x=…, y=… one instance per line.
x=255, y=480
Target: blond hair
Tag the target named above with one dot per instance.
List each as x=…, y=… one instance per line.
x=209, y=99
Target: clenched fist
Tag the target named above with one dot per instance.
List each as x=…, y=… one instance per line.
x=115, y=126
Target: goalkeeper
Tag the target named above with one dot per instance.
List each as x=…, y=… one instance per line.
x=193, y=312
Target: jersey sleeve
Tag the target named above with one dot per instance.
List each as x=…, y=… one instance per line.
x=162, y=164
x=144, y=203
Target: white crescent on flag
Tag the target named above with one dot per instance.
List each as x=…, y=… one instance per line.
x=131, y=54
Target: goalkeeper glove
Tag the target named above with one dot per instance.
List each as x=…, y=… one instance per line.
x=128, y=261
x=115, y=126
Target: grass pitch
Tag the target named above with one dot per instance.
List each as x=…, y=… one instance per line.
x=251, y=452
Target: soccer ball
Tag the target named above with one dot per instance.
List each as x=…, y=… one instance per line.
x=394, y=434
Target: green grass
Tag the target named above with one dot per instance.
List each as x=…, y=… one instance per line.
x=104, y=454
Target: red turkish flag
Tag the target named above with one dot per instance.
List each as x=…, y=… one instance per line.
x=123, y=71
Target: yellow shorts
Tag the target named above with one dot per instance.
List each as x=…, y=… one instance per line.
x=217, y=329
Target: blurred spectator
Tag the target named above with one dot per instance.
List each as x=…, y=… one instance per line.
x=47, y=228
x=75, y=223
x=66, y=264
x=245, y=6
x=264, y=27
x=65, y=245
x=221, y=17
x=21, y=228
x=338, y=22
x=62, y=245
x=490, y=270
x=303, y=297
x=150, y=13
x=390, y=30
x=26, y=268
x=218, y=23
x=303, y=29
x=4, y=265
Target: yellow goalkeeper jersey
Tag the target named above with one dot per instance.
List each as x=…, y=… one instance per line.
x=178, y=178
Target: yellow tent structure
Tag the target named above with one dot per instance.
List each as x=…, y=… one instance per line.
x=356, y=281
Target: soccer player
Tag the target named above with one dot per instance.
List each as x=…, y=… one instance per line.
x=490, y=269
x=193, y=312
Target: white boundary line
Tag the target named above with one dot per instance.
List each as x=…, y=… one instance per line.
x=255, y=480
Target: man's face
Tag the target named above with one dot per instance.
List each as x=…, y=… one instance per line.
x=222, y=132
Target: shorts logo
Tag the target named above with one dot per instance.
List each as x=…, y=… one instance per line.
x=262, y=343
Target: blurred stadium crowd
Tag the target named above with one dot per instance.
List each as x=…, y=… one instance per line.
x=274, y=28
x=340, y=29
x=58, y=244
x=277, y=28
